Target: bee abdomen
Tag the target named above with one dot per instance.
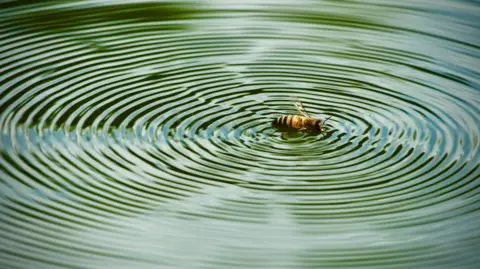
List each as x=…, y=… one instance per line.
x=283, y=120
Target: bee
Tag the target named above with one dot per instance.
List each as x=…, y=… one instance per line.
x=301, y=122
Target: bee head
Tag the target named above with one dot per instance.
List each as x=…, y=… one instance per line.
x=320, y=125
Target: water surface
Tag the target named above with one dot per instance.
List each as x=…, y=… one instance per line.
x=138, y=135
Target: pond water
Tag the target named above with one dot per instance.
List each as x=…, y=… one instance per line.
x=138, y=134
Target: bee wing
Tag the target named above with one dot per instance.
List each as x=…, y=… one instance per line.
x=299, y=106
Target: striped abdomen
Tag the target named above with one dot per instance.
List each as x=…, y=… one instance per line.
x=293, y=121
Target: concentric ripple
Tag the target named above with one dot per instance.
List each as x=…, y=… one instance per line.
x=138, y=135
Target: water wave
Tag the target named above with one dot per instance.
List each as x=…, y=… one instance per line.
x=140, y=134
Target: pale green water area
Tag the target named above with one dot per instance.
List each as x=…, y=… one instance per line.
x=137, y=134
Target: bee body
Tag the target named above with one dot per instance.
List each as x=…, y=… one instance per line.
x=299, y=122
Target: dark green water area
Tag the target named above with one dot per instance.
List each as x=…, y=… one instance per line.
x=137, y=134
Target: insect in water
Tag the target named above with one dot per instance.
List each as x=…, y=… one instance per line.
x=301, y=122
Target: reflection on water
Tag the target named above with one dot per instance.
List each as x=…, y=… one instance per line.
x=138, y=135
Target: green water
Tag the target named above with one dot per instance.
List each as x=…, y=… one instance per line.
x=138, y=134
